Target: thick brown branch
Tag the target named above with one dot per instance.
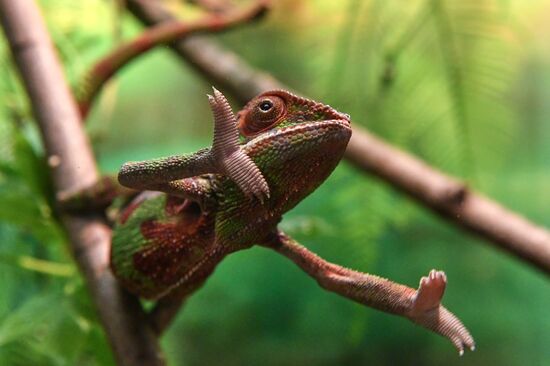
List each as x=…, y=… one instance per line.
x=73, y=167
x=163, y=33
x=443, y=194
x=451, y=199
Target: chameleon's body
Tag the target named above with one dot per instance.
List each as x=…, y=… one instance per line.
x=161, y=241
x=285, y=148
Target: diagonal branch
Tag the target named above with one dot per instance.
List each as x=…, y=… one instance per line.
x=444, y=195
x=73, y=167
x=161, y=34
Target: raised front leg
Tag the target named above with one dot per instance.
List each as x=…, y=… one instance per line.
x=225, y=157
x=422, y=306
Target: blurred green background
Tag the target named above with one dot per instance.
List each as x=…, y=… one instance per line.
x=463, y=84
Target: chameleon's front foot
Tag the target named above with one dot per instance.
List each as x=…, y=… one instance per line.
x=422, y=306
x=427, y=311
x=227, y=155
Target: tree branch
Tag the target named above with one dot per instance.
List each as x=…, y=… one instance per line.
x=444, y=195
x=158, y=35
x=73, y=167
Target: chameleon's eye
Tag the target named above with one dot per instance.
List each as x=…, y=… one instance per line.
x=266, y=105
x=262, y=115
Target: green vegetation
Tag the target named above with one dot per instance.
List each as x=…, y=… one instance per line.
x=460, y=83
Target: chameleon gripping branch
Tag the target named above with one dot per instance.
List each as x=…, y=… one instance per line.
x=132, y=340
x=444, y=195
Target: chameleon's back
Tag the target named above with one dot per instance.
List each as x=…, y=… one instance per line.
x=157, y=240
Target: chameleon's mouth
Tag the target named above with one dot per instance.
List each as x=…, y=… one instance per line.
x=316, y=131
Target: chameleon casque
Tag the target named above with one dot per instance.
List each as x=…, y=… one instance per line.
x=219, y=200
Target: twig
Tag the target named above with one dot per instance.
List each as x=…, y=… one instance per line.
x=73, y=167
x=444, y=195
x=161, y=34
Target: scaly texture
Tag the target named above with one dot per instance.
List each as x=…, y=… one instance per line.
x=152, y=254
x=232, y=161
x=421, y=306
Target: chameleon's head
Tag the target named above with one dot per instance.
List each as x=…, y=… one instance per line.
x=295, y=142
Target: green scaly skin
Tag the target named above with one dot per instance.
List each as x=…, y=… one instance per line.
x=166, y=242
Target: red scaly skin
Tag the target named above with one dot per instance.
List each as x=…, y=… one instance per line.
x=171, y=243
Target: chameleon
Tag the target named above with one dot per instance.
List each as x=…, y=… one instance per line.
x=195, y=209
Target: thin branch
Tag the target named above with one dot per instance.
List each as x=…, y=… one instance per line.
x=73, y=167
x=444, y=195
x=163, y=33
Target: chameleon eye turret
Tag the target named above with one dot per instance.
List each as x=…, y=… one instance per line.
x=266, y=112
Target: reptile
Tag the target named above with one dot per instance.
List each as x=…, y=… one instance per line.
x=195, y=209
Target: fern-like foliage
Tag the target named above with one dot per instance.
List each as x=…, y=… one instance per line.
x=433, y=77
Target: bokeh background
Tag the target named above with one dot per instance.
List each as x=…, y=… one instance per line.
x=463, y=84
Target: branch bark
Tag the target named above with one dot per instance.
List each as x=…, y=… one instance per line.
x=73, y=167
x=444, y=195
